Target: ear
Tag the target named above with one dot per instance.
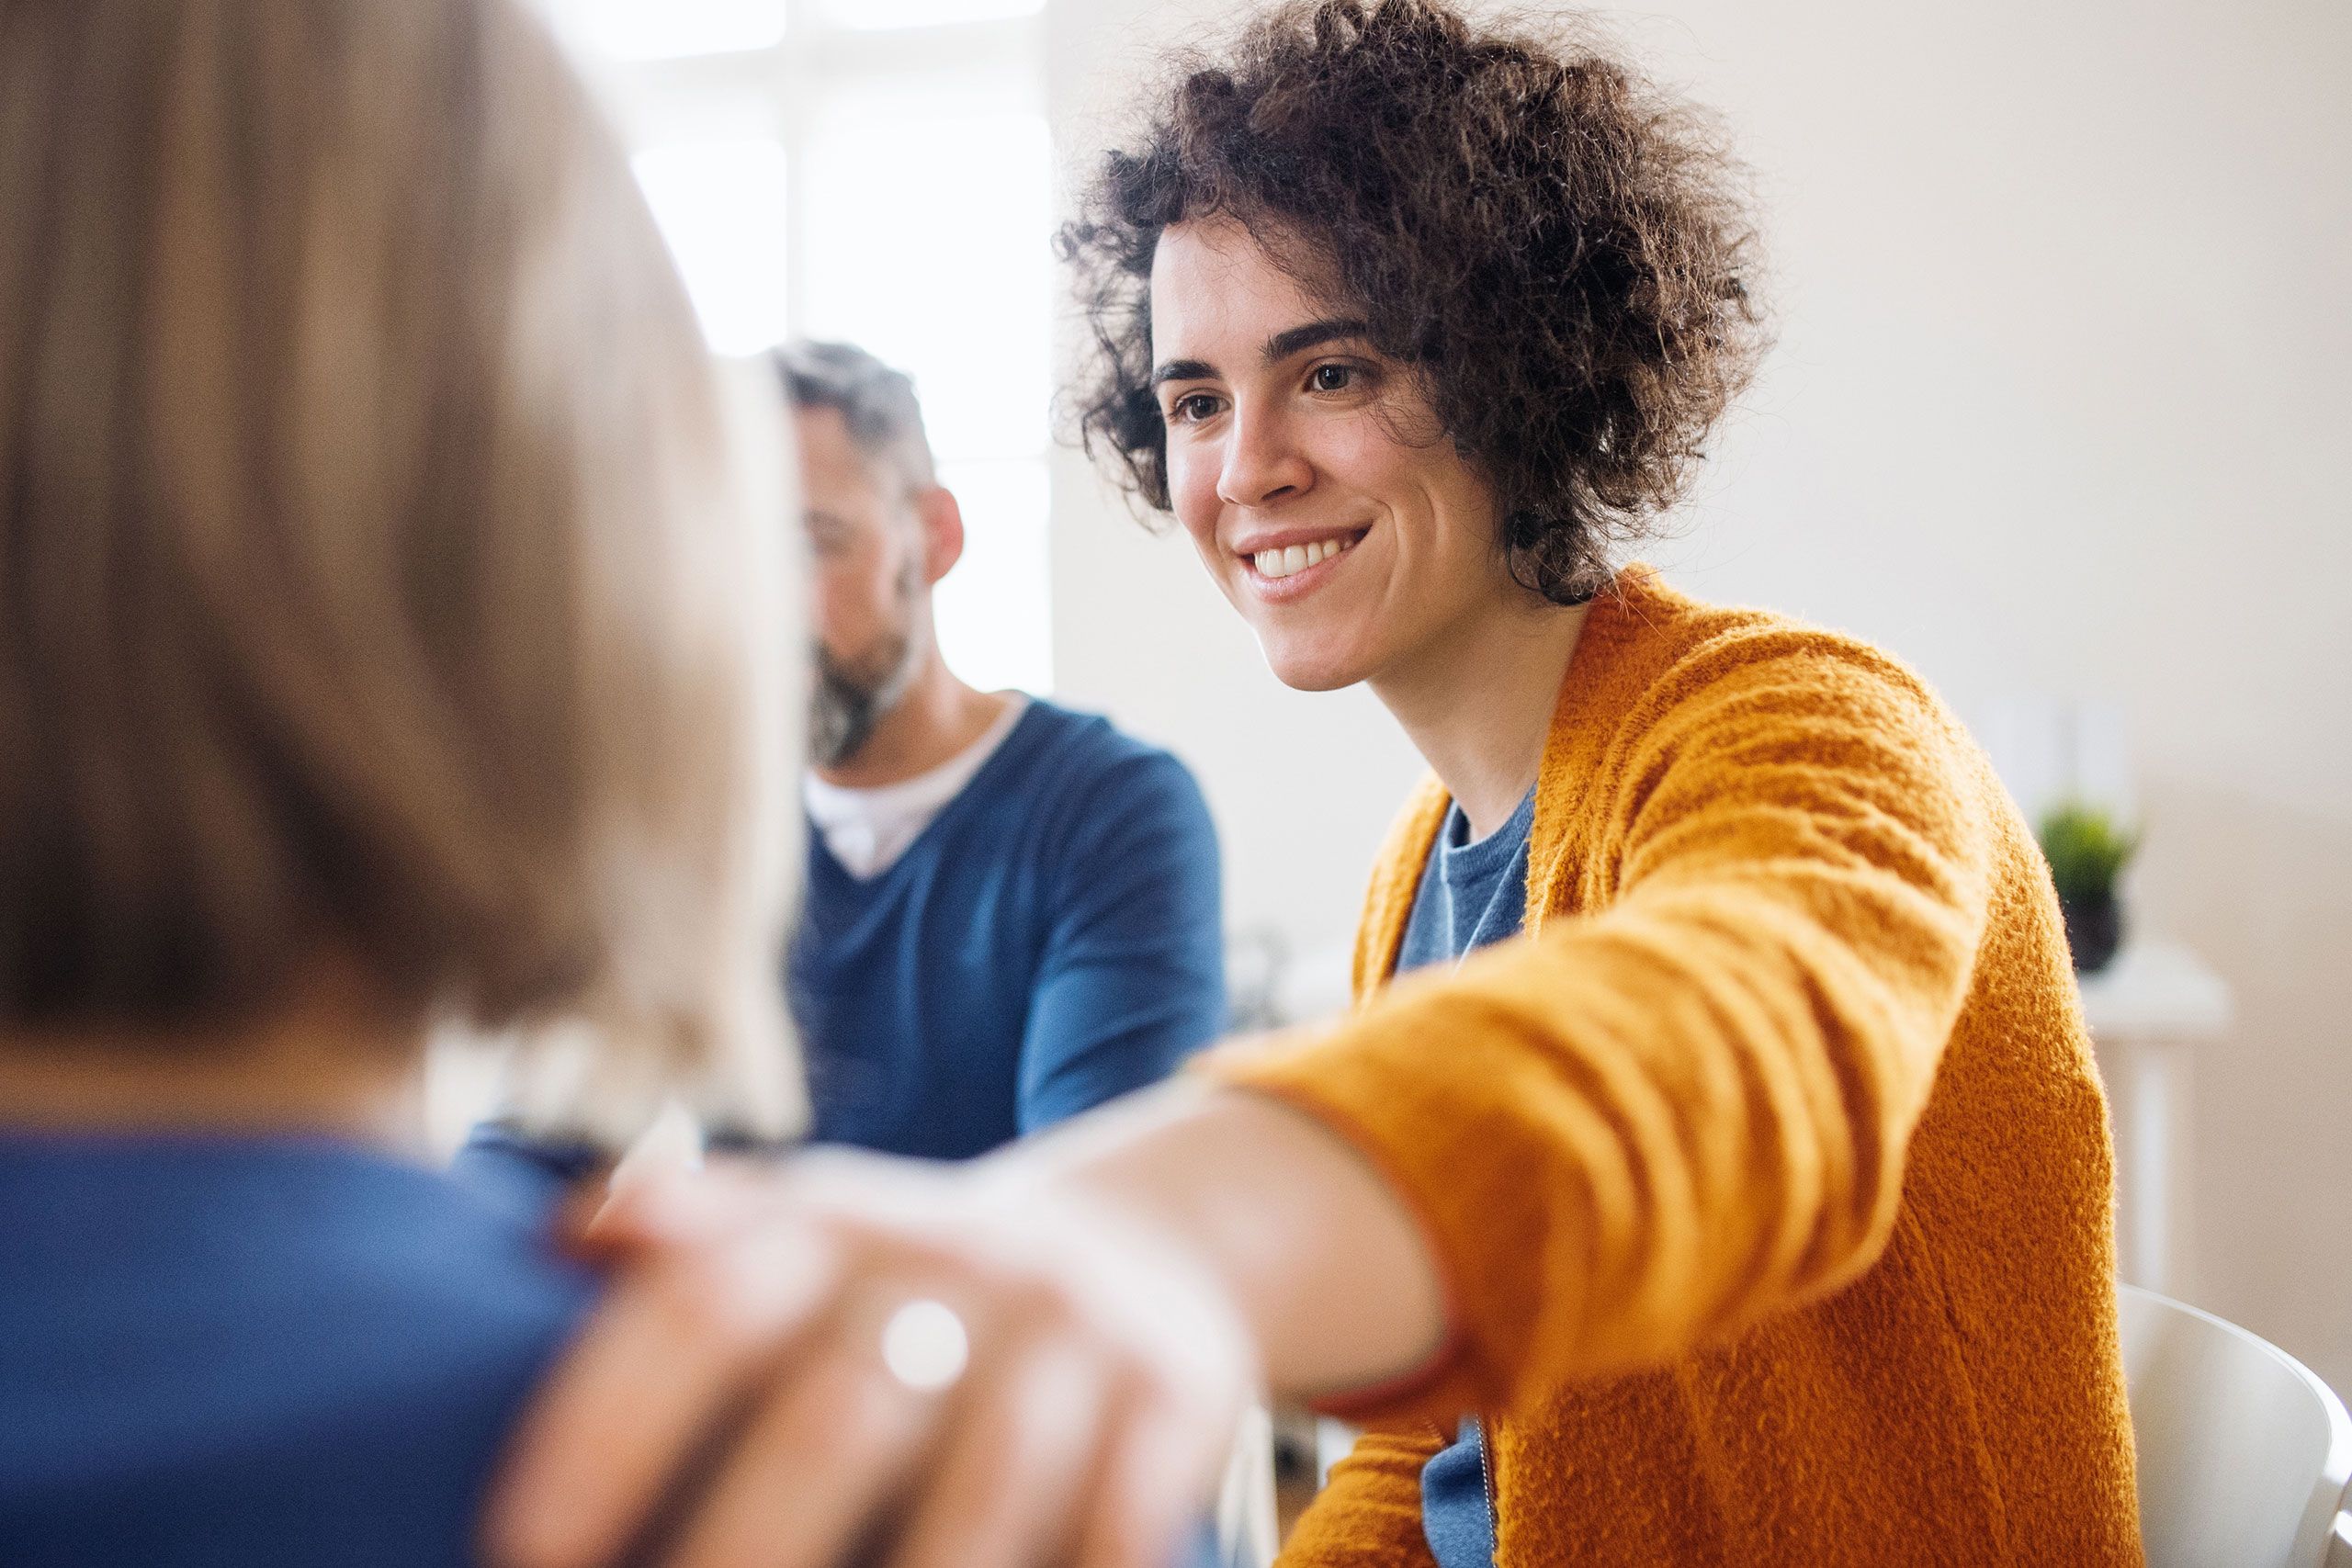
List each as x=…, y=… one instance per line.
x=943, y=531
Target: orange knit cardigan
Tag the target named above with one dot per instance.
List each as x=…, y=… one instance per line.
x=1767, y=1170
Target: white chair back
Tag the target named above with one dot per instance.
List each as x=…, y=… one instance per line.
x=2244, y=1455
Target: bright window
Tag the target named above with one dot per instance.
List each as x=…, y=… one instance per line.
x=664, y=30
x=721, y=206
x=987, y=607
x=816, y=174
x=947, y=277
x=877, y=14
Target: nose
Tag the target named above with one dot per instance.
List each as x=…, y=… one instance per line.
x=1261, y=464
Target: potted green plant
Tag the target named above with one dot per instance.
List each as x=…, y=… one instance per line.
x=2088, y=849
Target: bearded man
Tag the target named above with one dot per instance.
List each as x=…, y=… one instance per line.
x=1012, y=909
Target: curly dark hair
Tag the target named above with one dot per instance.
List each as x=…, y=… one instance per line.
x=1562, y=251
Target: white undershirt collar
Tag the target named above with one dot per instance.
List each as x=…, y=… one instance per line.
x=868, y=829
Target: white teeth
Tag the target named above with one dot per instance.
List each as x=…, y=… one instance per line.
x=1298, y=558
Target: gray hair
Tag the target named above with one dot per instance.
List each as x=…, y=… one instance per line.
x=877, y=402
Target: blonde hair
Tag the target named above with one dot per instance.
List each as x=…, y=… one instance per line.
x=376, y=583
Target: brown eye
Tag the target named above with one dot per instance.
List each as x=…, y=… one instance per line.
x=1333, y=377
x=1193, y=409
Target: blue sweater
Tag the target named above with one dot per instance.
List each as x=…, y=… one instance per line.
x=1473, y=895
x=1050, y=941
x=226, y=1352
x=258, y=1353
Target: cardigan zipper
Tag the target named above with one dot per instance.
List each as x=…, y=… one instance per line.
x=1487, y=1480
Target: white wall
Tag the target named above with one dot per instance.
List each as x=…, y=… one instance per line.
x=2060, y=405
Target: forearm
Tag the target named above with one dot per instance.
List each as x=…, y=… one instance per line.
x=1322, y=1256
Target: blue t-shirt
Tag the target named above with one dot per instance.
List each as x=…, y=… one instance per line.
x=1049, y=942
x=1472, y=895
x=245, y=1352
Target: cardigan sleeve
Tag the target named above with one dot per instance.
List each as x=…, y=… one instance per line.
x=1368, y=1513
x=1650, y=1124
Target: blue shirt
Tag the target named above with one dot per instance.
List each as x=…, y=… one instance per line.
x=264, y=1353
x=1472, y=895
x=1049, y=942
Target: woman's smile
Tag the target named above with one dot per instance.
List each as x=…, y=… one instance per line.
x=1282, y=568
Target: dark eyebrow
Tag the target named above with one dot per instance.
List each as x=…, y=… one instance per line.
x=1298, y=340
x=1279, y=348
x=1183, y=370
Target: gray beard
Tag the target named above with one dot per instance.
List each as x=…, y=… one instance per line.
x=851, y=699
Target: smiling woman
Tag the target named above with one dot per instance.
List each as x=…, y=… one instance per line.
x=1411, y=324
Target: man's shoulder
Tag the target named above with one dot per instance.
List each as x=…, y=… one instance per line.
x=1077, y=781
x=1081, y=753
x=1080, y=732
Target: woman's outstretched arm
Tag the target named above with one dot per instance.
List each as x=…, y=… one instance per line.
x=1126, y=1284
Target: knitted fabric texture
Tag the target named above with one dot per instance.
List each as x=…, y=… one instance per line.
x=1768, y=1171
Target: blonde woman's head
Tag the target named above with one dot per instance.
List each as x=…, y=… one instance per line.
x=379, y=585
